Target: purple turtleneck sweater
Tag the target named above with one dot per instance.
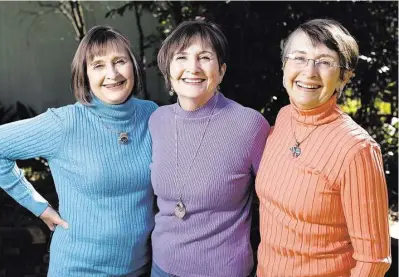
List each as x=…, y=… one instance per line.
x=213, y=239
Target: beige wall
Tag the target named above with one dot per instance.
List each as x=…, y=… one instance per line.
x=36, y=52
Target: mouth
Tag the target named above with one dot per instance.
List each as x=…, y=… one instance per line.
x=193, y=81
x=114, y=85
x=307, y=86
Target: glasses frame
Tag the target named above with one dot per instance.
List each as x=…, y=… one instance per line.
x=292, y=56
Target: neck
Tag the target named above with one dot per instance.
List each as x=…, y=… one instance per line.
x=116, y=112
x=325, y=113
x=192, y=104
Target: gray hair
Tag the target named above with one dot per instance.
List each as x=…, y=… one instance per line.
x=331, y=34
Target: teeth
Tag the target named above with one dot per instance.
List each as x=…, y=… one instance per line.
x=197, y=81
x=114, y=85
x=306, y=86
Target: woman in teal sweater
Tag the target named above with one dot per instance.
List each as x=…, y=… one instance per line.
x=99, y=151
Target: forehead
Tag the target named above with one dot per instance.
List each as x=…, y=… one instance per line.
x=110, y=48
x=195, y=43
x=301, y=42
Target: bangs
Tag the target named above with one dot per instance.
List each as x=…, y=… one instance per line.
x=104, y=45
x=184, y=40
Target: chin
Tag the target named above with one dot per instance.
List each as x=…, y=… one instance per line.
x=118, y=99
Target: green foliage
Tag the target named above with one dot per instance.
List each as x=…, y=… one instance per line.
x=255, y=31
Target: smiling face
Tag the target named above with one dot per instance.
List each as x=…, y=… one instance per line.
x=311, y=86
x=111, y=76
x=195, y=74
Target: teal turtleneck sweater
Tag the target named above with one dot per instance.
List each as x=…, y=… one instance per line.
x=103, y=187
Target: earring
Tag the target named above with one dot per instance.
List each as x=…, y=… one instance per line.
x=171, y=91
x=218, y=88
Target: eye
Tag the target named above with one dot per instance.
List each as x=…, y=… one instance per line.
x=204, y=58
x=98, y=66
x=326, y=63
x=299, y=58
x=120, y=61
x=180, y=58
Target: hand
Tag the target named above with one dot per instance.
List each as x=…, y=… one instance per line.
x=52, y=218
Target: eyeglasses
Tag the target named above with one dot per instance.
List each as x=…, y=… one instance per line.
x=301, y=61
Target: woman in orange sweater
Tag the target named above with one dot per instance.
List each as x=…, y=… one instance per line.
x=321, y=183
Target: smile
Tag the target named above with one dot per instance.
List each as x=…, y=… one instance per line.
x=115, y=85
x=302, y=85
x=193, y=81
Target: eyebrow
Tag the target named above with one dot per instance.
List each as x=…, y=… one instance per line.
x=202, y=52
x=319, y=56
x=99, y=59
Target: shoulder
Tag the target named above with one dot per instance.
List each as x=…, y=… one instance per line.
x=146, y=106
x=246, y=117
x=355, y=135
x=283, y=112
x=63, y=112
x=160, y=112
x=359, y=150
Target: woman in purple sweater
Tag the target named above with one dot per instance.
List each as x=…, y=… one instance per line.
x=206, y=152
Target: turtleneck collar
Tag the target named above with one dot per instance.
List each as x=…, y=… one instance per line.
x=323, y=114
x=121, y=112
x=213, y=105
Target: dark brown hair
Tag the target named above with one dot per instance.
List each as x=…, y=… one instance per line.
x=95, y=43
x=181, y=38
x=334, y=36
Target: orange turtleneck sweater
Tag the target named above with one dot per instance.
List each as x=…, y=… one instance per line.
x=325, y=212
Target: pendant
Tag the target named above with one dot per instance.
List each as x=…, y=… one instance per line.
x=295, y=150
x=123, y=138
x=180, y=209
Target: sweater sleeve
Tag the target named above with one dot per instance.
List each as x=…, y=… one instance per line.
x=40, y=136
x=365, y=204
x=258, y=144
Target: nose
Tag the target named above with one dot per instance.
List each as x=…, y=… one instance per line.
x=192, y=66
x=112, y=72
x=310, y=68
x=312, y=64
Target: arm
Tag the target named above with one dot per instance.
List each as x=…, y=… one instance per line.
x=365, y=204
x=34, y=137
x=258, y=145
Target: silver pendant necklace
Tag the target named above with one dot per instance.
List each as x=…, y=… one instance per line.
x=296, y=150
x=180, y=208
x=123, y=136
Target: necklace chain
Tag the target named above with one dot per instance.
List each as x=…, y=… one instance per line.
x=296, y=150
x=180, y=210
x=123, y=135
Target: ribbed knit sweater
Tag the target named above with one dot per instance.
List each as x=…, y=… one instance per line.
x=324, y=213
x=103, y=187
x=213, y=239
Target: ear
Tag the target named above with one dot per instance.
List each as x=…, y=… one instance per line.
x=347, y=75
x=222, y=72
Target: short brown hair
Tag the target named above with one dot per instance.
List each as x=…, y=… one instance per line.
x=94, y=43
x=183, y=35
x=331, y=34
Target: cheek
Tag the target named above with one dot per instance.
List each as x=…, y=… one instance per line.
x=214, y=75
x=331, y=82
x=289, y=77
x=129, y=72
x=175, y=72
x=93, y=79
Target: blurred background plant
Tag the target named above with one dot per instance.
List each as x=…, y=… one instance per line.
x=255, y=31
